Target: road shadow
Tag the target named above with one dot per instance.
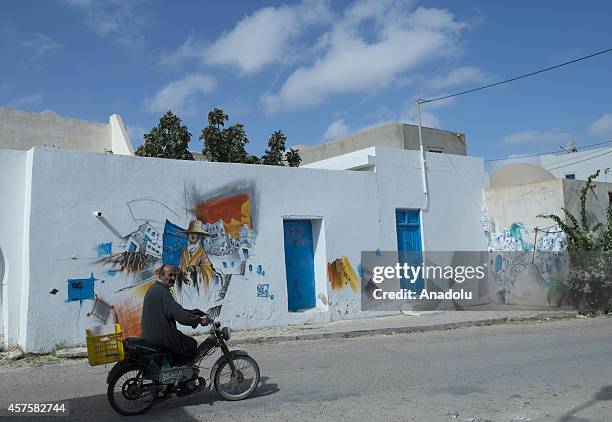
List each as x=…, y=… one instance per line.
x=96, y=407
x=604, y=394
x=211, y=397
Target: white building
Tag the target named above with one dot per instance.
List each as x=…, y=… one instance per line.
x=146, y=240
x=49, y=232
x=22, y=130
x=285, y=243
x=580, y=164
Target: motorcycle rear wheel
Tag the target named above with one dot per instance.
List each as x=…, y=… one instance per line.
x=129, y=394
x=242, y=386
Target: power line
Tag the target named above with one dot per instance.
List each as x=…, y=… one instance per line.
x=544, y=153
x=515, y=78
x=576, y=162
x=571, y=157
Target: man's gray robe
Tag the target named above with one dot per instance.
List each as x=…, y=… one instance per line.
x=160, y=313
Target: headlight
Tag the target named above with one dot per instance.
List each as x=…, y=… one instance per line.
x=226, y=333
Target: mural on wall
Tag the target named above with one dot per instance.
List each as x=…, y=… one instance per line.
x=194, y=267
x=340, y=273
x=80, y=288
x=101, y=310
x=519, y=237
x=528, y=266
x=104, y=249
x=211, y=245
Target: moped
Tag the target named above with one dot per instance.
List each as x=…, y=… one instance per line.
x=146, y=375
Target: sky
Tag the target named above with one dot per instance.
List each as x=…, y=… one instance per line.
x=316, y=69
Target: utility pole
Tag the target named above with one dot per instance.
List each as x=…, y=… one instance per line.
x=423, y=161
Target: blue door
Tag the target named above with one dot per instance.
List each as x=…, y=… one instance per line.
x=299, y=264
x=409, y=248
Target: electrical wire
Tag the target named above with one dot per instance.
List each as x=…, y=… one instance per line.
x=544, y=153
x=570, y=157
x=422, y=101
x=580, y=161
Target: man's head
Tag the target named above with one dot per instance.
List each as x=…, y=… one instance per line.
x=167, y=274
x=194, y=237
x=195, y=231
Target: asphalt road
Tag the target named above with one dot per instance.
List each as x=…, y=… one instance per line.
x=552, y=371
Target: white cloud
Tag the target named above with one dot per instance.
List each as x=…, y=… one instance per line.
x=122, y=22
x=408, y=114
x=353, y=61
x=534, y=136
x=190, y=49
x=28, y=100
x=602, y=127
x=459, y=76
x=41, y=45
x=337, y=129
x=428, y=119
x=263, y=37
x=180, y=95
x=78, y=3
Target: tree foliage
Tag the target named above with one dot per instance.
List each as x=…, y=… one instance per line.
x=228, y=144
x=580, y=235
x=590, y=253
x=293, y=157
x=224, y=144
x=273, y=156
x=169, y=139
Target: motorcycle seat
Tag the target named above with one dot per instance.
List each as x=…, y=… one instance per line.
x=139, y=345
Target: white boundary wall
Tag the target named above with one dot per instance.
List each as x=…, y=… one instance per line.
x=51, y=233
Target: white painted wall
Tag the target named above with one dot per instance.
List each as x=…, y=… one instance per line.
x=523, y=203
x=362, y=159
x=120, y=140
x=12, y=213
x=351, y=212
x=581, y=163
x=62, y=226
x=455, y=183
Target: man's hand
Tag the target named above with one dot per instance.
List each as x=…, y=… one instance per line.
x=197, y=312
x=204, y=321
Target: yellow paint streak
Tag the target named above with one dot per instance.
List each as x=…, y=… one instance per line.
x=142, y=288
x=340, y=273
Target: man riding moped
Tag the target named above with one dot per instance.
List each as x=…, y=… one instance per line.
x=160, y=313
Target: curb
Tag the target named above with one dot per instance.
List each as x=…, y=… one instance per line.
x=407, y=330
x=72, y=353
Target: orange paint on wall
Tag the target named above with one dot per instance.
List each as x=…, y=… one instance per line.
x=128, y=314
x=234, y=211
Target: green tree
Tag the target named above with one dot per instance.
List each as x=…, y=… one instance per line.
x=581, y=236
x=224, y=144
x=169, y=139
x=590, y=253
x=273, y=156
x=293, y=157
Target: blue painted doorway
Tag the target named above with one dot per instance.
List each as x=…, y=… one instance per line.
x=299, y=264
x=408, y=225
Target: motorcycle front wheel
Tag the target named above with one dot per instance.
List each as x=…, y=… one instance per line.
x=242, y=385
x=129, y=393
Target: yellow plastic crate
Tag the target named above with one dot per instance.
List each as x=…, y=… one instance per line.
x=104, y=348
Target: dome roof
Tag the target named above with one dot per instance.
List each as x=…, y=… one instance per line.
x=518, y=174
